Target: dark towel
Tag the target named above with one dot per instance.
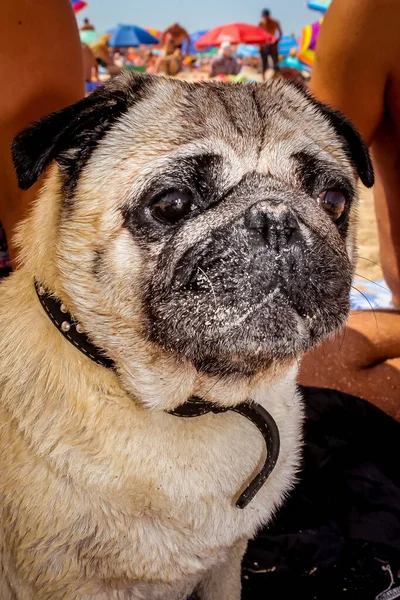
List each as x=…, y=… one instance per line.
x=338, y=536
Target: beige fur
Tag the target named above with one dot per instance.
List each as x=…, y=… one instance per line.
x=104, y=495
x=91, y=482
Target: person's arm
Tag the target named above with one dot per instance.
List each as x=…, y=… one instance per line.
x=357, y=71
x=353, y=61
x=41, y=71
x=261, y=26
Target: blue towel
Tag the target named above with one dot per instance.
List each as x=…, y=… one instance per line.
x=370, y=295
x=91, y=85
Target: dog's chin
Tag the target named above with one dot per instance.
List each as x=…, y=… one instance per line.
x=246, y=338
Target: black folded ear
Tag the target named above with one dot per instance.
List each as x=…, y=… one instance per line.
x=354, y=145
x=70, y=135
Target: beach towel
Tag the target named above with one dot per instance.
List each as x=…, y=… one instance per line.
x=338, y=535
x=367, y=295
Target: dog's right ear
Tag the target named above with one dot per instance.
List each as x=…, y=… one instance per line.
x=71, y=134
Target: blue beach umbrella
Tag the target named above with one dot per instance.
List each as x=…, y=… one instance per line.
x=125, y=36
x=194, y=37
x=286, y=44
x=247, y=50
x=321, y=5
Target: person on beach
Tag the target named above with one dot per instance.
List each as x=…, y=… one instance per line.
x=102, y=54
x=42, y=74
x=170, y=60
x=87, y=26
x=225, y=63
x=175, y=35
x=273, y=27
x=365, y=86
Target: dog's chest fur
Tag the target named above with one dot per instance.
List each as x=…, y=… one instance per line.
x=100, y=491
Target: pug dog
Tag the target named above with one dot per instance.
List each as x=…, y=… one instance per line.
x=190, y=241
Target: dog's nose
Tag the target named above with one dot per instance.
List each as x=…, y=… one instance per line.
x=275, y=221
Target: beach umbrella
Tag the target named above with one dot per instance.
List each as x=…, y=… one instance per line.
x=321, y=5
x=308, y=43
x=157, y=33
x=78, y=5
x=286, y=44
x=235, y=33
x=125, y=36
x=194, y=38
x=247, y=50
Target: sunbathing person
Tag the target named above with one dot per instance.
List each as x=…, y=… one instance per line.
x=175, y=35
x=365, y=359
x=225, y=63
x=42, y=74
x=170, y=60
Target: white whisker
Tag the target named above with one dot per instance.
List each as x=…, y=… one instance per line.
x=211, y=286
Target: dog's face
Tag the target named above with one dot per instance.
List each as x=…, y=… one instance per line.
x=208, y=227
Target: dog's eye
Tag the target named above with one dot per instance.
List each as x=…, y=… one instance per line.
x=333, y=202
x=172, y=207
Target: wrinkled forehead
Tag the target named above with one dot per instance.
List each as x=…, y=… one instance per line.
x=241, y=128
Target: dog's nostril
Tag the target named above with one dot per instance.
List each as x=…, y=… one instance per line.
x=255, y=218
x=290, y=228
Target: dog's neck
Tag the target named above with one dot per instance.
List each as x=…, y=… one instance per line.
x=65, y=323
x=194, y=407
x=83, y=382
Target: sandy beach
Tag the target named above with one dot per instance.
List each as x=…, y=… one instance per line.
x=368, y=247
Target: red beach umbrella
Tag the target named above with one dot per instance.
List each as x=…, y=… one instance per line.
x=235, y=33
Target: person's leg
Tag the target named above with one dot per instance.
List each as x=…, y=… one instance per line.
x=274, y=56
x=264, y=53
x=41, y=71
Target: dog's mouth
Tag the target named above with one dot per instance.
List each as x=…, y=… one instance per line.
x=235, y=306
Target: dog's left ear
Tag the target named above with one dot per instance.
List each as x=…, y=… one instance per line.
x=70, y=135
x=354, y=145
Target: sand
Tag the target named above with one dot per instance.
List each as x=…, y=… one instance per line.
x=367, y=239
